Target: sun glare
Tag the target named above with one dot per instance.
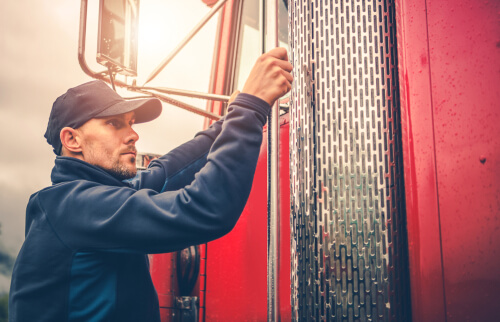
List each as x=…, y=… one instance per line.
x=158, y=32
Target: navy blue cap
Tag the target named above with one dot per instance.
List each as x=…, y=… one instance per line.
x=93, y=100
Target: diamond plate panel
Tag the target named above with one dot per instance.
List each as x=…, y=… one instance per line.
x=349, y=249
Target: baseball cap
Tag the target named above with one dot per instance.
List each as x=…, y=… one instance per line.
x=93, y=100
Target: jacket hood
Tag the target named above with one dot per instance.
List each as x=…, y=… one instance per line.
x=69, y=169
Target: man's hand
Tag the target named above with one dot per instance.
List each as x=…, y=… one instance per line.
x=270, y=77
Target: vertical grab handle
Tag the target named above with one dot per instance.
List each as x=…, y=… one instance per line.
x=271, y=41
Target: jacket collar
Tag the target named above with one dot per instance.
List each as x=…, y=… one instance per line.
x=70, y=169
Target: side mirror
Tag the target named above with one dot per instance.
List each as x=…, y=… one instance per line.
x=118, y=35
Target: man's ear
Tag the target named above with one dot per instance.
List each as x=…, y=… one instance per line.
x=70, y=140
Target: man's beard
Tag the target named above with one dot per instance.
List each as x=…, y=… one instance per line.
x=121, y=172
x=117, y=169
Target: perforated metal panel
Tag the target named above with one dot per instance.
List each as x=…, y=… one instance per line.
x=347, y=192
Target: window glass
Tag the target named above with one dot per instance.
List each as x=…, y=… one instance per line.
x=250, y=41
x=283, y=23
x=251, y=37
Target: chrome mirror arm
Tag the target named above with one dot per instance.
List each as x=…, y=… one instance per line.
x=177, y=103
x=187, y=93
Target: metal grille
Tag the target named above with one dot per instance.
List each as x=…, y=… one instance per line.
x=349, y=249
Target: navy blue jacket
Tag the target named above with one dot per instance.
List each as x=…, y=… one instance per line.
x=87, y=236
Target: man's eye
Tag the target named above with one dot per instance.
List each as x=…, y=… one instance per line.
x=114, y=123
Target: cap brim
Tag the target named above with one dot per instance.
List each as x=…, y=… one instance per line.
x=145, y=109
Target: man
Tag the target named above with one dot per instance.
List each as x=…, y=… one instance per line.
x=87, y=235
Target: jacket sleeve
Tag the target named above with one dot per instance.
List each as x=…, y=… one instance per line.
x=124, y=219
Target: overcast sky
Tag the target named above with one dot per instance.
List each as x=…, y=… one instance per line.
x=38, y=62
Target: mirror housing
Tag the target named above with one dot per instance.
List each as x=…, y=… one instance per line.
x=118, y=33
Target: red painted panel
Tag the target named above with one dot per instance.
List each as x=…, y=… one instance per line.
x=162, y=269
x=422, y=210
x=449, y=74
x=465, y=74
x=285, y=300
x=236, y=264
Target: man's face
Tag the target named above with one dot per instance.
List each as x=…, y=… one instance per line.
x=109, y=143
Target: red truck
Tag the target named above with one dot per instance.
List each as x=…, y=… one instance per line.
x=389, y=167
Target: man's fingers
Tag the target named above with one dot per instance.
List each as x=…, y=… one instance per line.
x=288, y=76
x=278, y=52
x=284, y=64
x=286, y=83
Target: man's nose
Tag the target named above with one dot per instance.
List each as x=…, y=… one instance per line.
x=132, y=136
